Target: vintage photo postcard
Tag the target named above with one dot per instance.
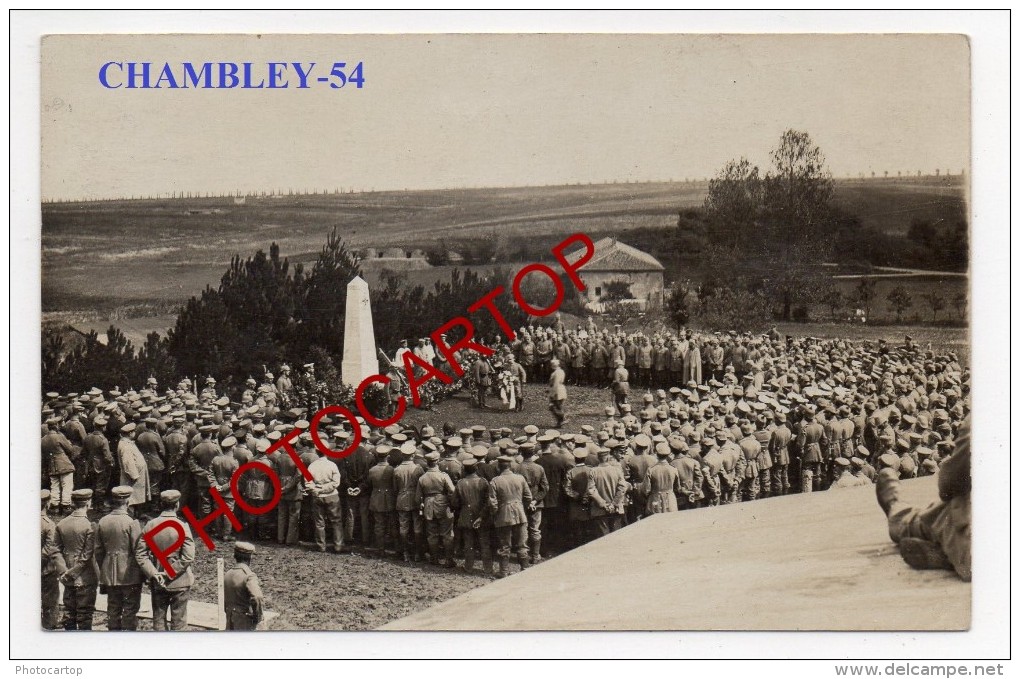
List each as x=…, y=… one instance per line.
x=504, y=332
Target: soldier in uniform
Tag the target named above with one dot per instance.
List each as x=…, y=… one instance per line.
x=150, y=445
x=621, y=386
x=937, y=536
x=811, y=443
x=577, y=489
x=607, y=493
x=98, y=457
x=556, y=463
x=751, y=450
x=242, y=592
x=288, y=514
x=284, y=386
x=256, y=490
x=435, y=488
x=134, y=471
x=50, y=571
x=712, y=470
x=662, y=483
x=520, y=378
x=779, y=447
x=355, y=498
x=844, y=477
x=471, y=500
x=56, y=458
x=175, y=443
x=117, y=536
x=208, y=394
x=557, y=393
x=481, y=372
x=76, y=543
x=733, y=466
x=323, y=488
x=405, y=486
x=223, y=467
x=383, y=501
x=690, y=481
x=509, y=495
x=635, y=468
x=534, y=474
x=170, y=590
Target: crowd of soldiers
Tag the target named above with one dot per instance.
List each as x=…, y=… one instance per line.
x=772, y=416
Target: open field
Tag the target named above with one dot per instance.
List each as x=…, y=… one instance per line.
x=103, y=255
x=948, y=287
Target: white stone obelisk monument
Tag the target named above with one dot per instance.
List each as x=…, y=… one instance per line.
x=360, y=357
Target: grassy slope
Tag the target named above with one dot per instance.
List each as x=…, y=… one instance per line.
x=98, y=256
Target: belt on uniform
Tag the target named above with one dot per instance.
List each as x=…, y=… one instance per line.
x=433, y=494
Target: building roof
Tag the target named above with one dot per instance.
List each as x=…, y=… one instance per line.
x=612, y=255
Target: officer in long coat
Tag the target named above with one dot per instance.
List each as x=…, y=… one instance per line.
x=133, y=470
x=693, y=364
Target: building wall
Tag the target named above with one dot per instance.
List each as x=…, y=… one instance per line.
x=646, y=286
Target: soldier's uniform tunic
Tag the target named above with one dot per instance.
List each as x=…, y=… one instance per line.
x=242, y=598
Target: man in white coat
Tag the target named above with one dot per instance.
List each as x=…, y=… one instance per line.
x=133, y=470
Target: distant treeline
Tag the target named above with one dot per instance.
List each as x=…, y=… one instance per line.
x=941, y=244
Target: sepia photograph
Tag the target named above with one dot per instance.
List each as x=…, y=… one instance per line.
x=516, y=332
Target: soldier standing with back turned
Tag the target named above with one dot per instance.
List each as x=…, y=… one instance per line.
x=242, y=592
x=117, y=536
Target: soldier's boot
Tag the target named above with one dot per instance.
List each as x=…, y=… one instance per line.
x=924, y=555
x=504, y=567
x=486, y=566
x=469, y=561
x=806, y=483
x=407, y=555
x=536, y=551
x=451, y=561
x=523, y=561
x=887, y=489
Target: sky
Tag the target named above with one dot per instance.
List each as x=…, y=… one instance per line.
x=450, y=111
